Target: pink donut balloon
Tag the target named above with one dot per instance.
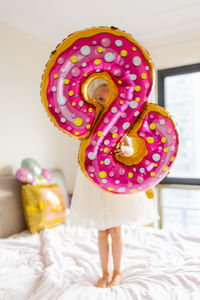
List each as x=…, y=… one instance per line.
x=114, y=56
x=24, y=175
x=46, y=174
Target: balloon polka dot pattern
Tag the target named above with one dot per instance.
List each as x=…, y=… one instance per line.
x=115, y=56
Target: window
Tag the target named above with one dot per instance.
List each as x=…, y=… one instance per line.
x=180, y=208
x=179, y=92
x=179, y=192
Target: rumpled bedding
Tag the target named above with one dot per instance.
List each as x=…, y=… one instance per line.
x=63, y=263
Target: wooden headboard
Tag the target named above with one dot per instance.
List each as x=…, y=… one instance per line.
x=11, y=212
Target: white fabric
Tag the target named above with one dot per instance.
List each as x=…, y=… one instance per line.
x=63, y=264
x=94, y=207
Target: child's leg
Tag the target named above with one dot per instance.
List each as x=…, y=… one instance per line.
x=117, y=254
x=104, y=256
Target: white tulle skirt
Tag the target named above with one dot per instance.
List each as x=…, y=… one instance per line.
x=93, y=207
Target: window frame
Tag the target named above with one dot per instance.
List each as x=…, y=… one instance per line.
x=162, y=74
x=170, y=186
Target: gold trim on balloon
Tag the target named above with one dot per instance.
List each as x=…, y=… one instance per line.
x=113, y=89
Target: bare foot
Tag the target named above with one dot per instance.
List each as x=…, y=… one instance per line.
x=116, y=280
x=102, y=283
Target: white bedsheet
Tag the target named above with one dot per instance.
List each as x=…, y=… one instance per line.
x=63, y=263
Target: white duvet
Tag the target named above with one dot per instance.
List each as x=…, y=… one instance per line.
x=63, y=263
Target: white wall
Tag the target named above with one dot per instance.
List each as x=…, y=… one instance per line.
x=174, y=55
x=25, y=128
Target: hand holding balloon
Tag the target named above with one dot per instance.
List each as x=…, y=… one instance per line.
x=125, y=147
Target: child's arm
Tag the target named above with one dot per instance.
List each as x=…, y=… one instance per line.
x=125, y=147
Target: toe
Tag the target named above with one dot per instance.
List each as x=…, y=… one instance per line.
x=102, y=283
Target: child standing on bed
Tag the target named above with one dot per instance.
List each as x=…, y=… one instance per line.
x=93, y=207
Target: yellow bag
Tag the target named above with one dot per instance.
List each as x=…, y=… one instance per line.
x=44, y=206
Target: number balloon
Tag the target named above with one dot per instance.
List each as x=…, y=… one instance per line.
x=112, y=55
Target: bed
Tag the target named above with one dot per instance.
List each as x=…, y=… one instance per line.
x=62, y=263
